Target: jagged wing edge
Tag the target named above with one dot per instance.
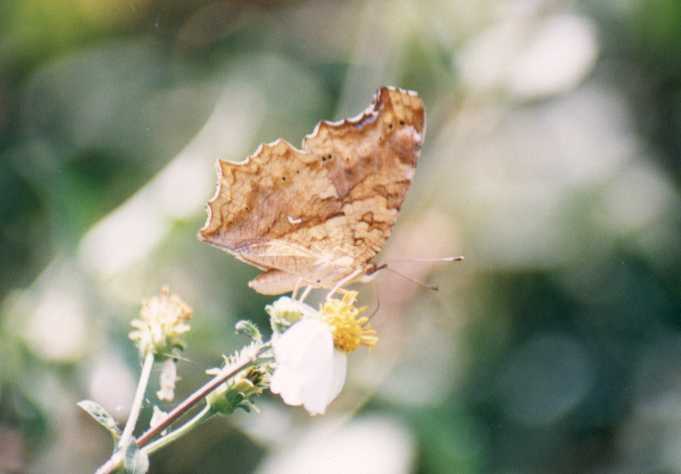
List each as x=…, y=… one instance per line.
x=369, y=114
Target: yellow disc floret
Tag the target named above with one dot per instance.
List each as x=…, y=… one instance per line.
x=350, y=330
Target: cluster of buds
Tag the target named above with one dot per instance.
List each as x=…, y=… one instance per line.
x=240, y=390
x=162, y=324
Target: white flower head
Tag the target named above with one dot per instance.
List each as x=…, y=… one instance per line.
x=311, y=356
x=163, y=322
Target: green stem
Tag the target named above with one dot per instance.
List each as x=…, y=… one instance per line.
x=200, y=417
x=116, y=460
x=137, y=401
x=194, y=398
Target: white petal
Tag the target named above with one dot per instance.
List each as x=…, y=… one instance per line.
x=340, y=368
x=287, y=383
x=317, y=389
x=291, y=351
x=293, y=346
x=306, y=371
x=327, y=386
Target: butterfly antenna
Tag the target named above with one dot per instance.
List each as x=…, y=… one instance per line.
x=429, y=260
x=378, y=307
x=410, y=279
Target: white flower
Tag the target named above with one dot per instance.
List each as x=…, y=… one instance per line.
x=311, y=356
x=309, y=371
x=162, y=324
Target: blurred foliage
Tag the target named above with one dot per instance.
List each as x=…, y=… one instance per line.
x=554, y=348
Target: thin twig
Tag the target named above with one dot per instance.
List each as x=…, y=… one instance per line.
x=179, y=432
x=188, y=403
x=112, y=464
x=137, y=401
x=117, y=458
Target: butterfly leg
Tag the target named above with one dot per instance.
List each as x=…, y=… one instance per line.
x=305, y=293
x=294, y=293
x=343, y=282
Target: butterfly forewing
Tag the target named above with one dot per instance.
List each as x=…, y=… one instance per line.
x=316, y=215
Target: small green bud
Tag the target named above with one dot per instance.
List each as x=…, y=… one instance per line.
x=284, y=312
x=249, y=329
x=238, y=391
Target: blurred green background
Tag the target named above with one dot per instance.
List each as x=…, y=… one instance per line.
x=551, y=162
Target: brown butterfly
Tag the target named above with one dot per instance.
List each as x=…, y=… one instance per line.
x=316, y=217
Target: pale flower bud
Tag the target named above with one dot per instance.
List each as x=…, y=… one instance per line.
x=161, y=325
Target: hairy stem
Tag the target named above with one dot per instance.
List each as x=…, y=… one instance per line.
x=179, y=432
x=114, y=462
x=190, y=401
x=116, y=459
x=137, y=401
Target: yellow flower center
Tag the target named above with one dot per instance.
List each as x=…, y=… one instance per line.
x=350, y=329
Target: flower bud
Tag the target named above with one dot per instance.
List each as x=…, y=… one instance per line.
x=239, y=391
x=286, y=311
x=161, y=325
x=249, y=329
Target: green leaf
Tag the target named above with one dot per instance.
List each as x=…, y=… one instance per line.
x=136, y=461
x=101, y=416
